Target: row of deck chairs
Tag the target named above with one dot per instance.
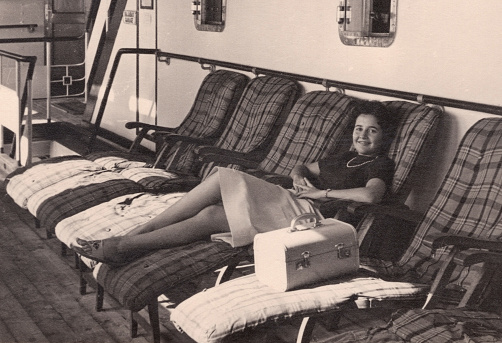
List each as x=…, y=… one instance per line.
x=318, y=124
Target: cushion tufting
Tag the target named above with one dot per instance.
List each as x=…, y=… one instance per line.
x=136, y=284
x=245, y=302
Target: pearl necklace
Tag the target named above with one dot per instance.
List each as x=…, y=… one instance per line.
x=360, y=164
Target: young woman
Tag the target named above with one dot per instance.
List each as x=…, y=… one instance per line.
x=234, y=206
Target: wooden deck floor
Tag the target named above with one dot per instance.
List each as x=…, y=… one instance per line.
x=41, y=302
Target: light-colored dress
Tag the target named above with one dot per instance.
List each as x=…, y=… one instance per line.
x=253, y=205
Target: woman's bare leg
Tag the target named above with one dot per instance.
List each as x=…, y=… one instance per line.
x=210, y=220
x=205, y=194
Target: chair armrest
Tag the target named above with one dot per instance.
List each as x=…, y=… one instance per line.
x=143, y=133
x=140, y=125
x=227, y=157
x=172, y=138
x=464, y=243
x=392, y=209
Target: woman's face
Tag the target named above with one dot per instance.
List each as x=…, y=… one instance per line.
x=367, y=136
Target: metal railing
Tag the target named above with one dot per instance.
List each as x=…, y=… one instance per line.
x=165, y=56
x=48, y=50
x=22, y=101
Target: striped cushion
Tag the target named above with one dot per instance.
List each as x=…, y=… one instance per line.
x=24, y=182
x=78, y=193
x=140, y=282
x=319, y=122
x=245, y=302
x=120, y=159
x=115, y=217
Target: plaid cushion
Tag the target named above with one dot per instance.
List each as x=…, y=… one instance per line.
x=159, y=180
x=78, y=193
x=417, y=125
x=215, y=102
x=318, y=122
x=24, y=182
x=245, y=302
x=261, y=111
x=455, y=325
x=469, y=202
x=435, y=326
x=145, y=279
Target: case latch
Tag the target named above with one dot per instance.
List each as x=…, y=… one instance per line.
x=343, y=251
x=305, y=262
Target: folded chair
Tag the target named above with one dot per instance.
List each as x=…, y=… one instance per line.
x=451, y=239
x=319, y=123
x=268, y=101
x=305, y=132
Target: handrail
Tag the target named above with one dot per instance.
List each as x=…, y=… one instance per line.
x=429, y=99
x=162, y=56
x=19, y=58
x=41, y=39
x=113, y=72
x=30, y=27
x=24, y=101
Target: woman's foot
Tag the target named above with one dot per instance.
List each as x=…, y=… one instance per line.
x=104, y=251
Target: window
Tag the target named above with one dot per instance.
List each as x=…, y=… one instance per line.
x=209, y=15
x=367, y=22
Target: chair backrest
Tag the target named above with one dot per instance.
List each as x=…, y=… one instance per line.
x=258, y=117
x=468, y=203
x=319, y=123
x=215, y=102
x=416, y=128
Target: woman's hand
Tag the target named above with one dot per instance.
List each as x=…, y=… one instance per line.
x=305, y=189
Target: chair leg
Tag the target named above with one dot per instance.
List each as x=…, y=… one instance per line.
x=100, y=296
x=64, y=249
x=83, y=281
x=133, y=325
x=153, y=313
x=441, y=280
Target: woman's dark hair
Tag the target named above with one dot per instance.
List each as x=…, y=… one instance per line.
x=385, y=118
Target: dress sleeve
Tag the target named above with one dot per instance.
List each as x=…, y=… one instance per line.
x=382, y=168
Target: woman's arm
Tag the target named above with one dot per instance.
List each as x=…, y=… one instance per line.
x=372, y=192
x=302, y=172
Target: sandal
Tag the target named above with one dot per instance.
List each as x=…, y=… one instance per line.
x=98, y=253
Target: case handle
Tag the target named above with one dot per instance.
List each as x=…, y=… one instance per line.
x=294, y=223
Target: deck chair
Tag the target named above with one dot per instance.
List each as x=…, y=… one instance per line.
x=318, y=123
x=297, y=137
x=268, y=100
x=466, y=208
x=215, y=101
